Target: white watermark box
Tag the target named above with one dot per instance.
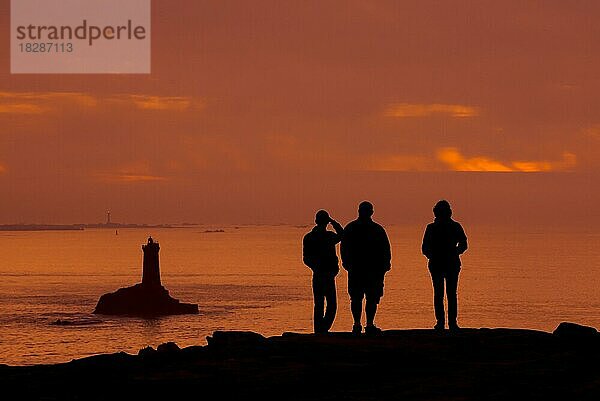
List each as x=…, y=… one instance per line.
x=80, y=36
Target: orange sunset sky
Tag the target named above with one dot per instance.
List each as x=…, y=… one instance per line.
x=264, y=111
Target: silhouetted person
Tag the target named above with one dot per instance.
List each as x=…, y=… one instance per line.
x=319, y=255
x=443, y=243
x=366, y=255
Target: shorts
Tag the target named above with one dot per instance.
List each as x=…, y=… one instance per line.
x=362, y=285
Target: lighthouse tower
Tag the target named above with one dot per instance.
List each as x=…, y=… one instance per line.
x=151, y=267
x=146, y=299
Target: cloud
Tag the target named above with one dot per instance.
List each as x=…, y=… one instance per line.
x=124, y=178
x=41, y=102
x=21, y=108
x=593, y=131
x=453, y=159
x=139, y=172
x=151, y=102
x=406, y=110
x=46, y=102
x=2, y=169
x=457, y=162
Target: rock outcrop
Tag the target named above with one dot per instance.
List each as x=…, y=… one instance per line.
x=472, y=364
x=148, y=298
x=575, y=331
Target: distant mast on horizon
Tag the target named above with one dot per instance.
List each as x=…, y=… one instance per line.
x=108, y=217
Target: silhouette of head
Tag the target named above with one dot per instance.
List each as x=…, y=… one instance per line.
x=442, y=210
x=365, y=210
x=322, y=218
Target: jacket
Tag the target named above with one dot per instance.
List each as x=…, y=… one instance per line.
x=443, y=243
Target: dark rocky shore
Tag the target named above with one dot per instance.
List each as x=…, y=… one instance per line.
x=473, y=364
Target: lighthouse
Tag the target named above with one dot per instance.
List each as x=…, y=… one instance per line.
x=148, y=298
x=151, y=266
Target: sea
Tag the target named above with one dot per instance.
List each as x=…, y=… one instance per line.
x=251, y=277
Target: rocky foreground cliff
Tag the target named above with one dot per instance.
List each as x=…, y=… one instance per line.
x=473, y=364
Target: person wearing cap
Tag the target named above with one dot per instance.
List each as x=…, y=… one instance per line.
x=318, y=251
x=443, y=243
x=366, y=255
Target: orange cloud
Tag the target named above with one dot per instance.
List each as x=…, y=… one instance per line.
x=134, y=178
x=20, y=108
x=457, y=162
x=405, y=110
x=41, y=102
x=453, y=159
x=2, y=169
x=45, y=102
x=593, y=131
x=131, y=173
x=150, y=102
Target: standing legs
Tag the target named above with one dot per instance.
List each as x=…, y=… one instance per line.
x=356, y=308
x=438, y=299
x=324, y=291
x=331, y=309
x=370, y=310
x=451, y=283
x=451, y=289
x=318, y=314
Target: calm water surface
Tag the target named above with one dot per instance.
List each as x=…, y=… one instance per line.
x=252, y=278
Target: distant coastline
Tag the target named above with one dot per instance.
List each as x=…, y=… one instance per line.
x=40, y=227
x=80, y=227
